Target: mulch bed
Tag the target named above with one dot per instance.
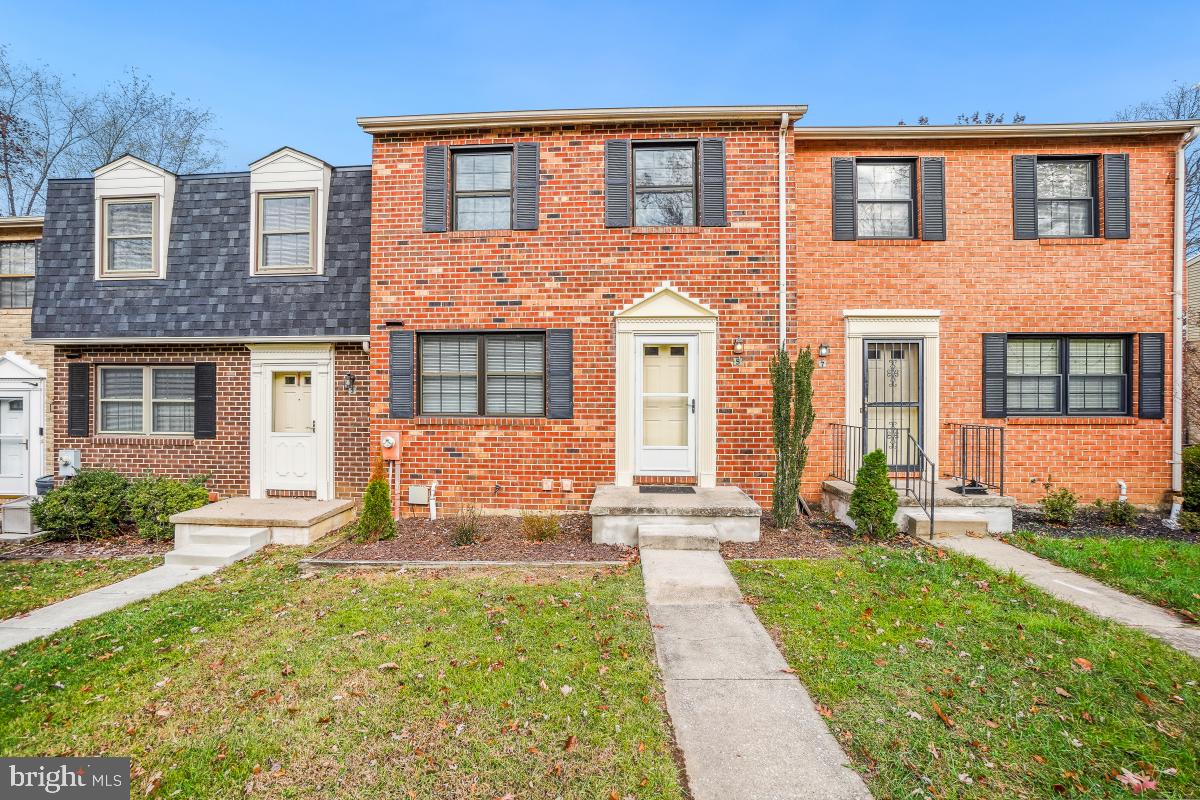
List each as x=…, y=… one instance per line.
x=1090, y=522
x=816, y=537
x=500, y=538
x=70, y=549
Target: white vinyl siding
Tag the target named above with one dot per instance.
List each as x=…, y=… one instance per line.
x=146, y=400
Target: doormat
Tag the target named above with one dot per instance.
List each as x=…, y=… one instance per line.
x=666, y=489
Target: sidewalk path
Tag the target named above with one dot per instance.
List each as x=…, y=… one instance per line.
x=748, y=729
x=1103, y=601
x=50, y=619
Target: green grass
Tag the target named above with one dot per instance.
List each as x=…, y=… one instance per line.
x=263, y=682
x=1166, y=573
x=881, y=635
x=26, y=585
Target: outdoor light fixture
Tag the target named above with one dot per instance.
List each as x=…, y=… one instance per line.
x=348, y=383
x=738, y=346
x=823, y=350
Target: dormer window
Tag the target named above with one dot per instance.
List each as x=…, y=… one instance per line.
x=129, y=238
x=287, y=223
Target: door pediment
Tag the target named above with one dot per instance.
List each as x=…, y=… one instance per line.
x=15, y=367
x=666, y=302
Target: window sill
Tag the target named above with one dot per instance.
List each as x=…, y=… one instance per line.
x=289, y=277
x=889, y=242
x=1069, y=241
x=1073, y=421
x=502, y=233
x=139, y=441
x=652, y=230
x=479, y=422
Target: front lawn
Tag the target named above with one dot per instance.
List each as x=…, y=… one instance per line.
x=1164, y=572
x=26, y=585
x=943, y=678
x=264, y=682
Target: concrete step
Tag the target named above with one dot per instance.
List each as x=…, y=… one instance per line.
x=209, y=555
x=946, y=522
x=677, y=537
x=227, y=534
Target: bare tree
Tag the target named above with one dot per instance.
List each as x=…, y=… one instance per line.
x=1181, y=101
x=47, y=131
x=975, y=118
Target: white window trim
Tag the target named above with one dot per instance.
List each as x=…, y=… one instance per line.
x=147, y=401
x=130, y=178
x=107, y=273
x=19, y=276
x=294, y=269
x=289, y=171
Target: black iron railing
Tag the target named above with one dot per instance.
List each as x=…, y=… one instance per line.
x=978, y=458
x=910, y=470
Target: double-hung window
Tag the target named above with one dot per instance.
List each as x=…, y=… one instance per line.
x=483, y=181
x=664, y=184
x=17, y=260
x=489, y=374
x=1066, y=197
x=146, y=400
x=1077, y=375
x=885, y=192
x=286, y=224
x=129, y=230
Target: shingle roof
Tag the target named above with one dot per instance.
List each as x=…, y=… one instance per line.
x=208, y=290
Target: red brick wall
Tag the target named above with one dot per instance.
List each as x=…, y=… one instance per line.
x=227, y=457
x=984, y=281
x=572, y=273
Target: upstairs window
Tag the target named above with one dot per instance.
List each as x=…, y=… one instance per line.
x=17, y=260
x=129, y=248
x=483, y=182
x=885, y=192
x=1066, y=197
x=1078, y=375
x=285, y=238
x=147, y=400
x=496, y=375
x=664, y=185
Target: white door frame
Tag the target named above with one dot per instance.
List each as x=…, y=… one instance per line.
x=663, y=312
x=267, y=359
x=641, y=459
x=19, y=376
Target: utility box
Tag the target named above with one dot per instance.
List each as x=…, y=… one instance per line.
x=418, y=495
x=68, y=463
x=18, y=518
x=389, y=445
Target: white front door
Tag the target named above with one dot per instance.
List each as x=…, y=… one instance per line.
x=14, y=443
x=292, y=437
x=665, y=387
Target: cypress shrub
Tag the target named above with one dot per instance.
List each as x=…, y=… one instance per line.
x=375, y=520
x=873, y=503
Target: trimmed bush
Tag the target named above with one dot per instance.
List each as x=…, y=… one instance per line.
x=1190, y=521
x=466, y=527
x=874, y=502
x=152, y=500
x=92, y=505
x=539, y=527
x=1191, y=478
x=1059, y=507
x=375, y=520
x=1118, y=514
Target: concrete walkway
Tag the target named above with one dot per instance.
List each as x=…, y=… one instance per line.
x=1091, y=595
x=747, y=729
x=53, y=618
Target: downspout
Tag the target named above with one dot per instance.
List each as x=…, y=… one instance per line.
x=1178, y=317
x=784, y=142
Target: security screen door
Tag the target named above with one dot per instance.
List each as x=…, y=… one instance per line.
x=892, y=377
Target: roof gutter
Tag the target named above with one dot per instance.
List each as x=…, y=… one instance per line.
x=574, y=116
x=194, y=340
x=1081, y=129
x=1178, y=313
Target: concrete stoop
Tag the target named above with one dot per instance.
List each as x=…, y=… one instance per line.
x=620, y=512
x=947, y=522
x=215, y=546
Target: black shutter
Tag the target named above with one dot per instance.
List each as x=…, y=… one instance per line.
x=1025, y=224
x=560, y=374
x=1151, y=355
x=433, y=215
x=712, y=183
x=617, y=163
x=525, y=194
x=933, y=199
x=844, y=225
x=206, y=402
x=79, y=399
x=1116, y=196
x=400, y=375
x=995, y=375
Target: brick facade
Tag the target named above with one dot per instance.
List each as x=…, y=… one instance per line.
x=572, y=272
x=984, y=281
x=225, y=458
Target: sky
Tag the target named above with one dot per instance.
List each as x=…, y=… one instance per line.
x=299, y=73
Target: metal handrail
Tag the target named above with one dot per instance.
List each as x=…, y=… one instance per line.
x=916, y=477
x=978, y=458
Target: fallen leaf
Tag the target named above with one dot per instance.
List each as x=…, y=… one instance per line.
x=570, y=744
x=824, y=712
x=1142, y=696
x=1083, y=663
x=949, y=723
x=1136, y=783
x=1061, y=692
x=388, y=665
